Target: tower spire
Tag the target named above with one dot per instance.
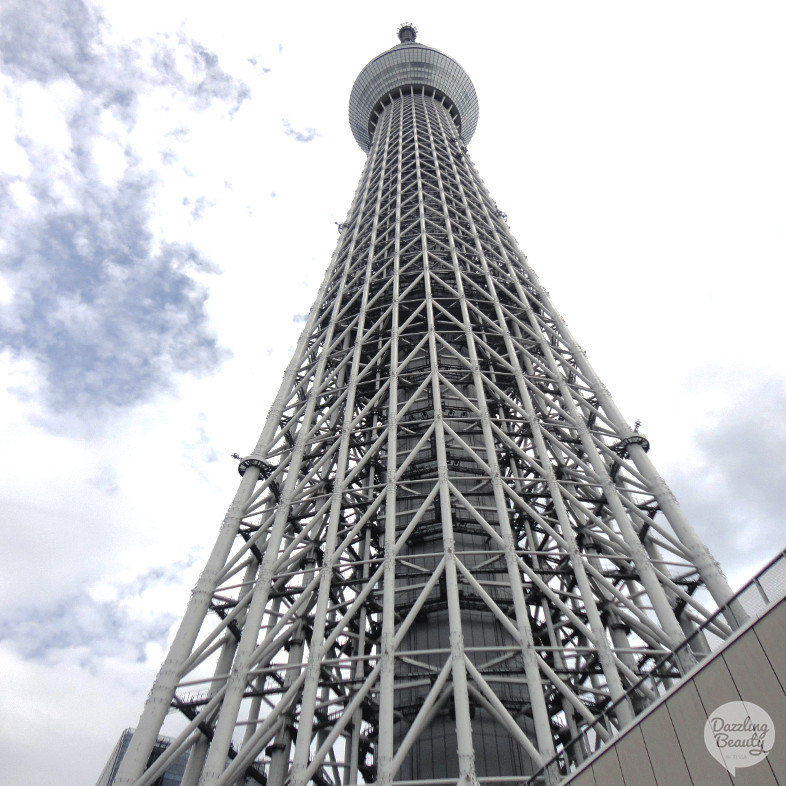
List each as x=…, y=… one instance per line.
x=448, y=551
x=407, y=33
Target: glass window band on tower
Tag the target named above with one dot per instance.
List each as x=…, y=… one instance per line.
x=411, y=64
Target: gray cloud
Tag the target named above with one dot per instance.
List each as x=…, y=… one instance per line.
x=107, y=312
x=746, y=445
x=47, y=40
x=259, y=66
x=108, y=319
x=255, y=62
x=300, y=136
x=199, y=206
x=91, y=627
x=206, y=83
x=734, y=492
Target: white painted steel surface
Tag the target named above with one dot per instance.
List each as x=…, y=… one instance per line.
x=448, y=552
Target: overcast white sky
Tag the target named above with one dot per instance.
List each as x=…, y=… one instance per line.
x=171, y=175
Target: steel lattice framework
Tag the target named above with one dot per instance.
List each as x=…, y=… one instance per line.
x=448, y=552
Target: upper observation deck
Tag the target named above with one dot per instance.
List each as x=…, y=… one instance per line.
x=409, y=64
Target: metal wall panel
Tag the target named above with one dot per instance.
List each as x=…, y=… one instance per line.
x=664, y=749
x=607, y=769
x=770, y=632
x=634, y=760
x=756, y=681
x=586, y=778
x=688, y=718
x=716, y=687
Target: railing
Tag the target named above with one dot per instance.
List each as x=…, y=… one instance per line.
x=762, y=591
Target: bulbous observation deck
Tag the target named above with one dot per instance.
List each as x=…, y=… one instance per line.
x=411, y=64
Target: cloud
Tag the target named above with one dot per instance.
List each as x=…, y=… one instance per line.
x=200, y=449
x=199, y=206
x=733, y=482
x=108, y=311
x=46, y=40
x=262, y=69
x=103, y=621
x=300, y=136
x=106, y=480
x=193, y=70
x=745, y=444
x=261, y=61
x=107, y=319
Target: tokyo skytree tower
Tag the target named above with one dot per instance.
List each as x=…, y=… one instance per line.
x=449, y=553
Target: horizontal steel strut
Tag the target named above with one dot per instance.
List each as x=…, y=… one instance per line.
x=448, y=553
